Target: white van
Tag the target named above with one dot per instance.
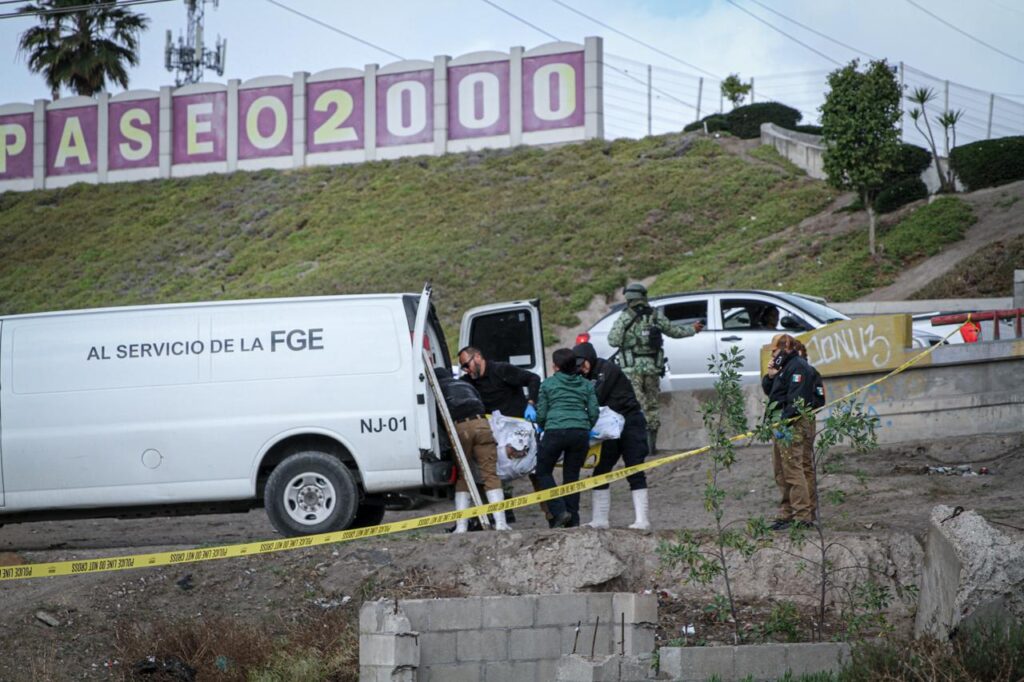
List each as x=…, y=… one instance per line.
x=311, y=407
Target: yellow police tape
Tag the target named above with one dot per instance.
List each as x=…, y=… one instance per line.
x=185, y=556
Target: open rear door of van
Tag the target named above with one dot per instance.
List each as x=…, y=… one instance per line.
x=425, y=429
x=8, y=384
x=507, y=332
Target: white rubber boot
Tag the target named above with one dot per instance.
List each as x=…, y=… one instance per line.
x=601, y=500
x=461, y=502
x=498, y=495
x=640, y=507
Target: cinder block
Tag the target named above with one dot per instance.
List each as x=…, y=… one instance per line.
x=510, y=671
x=636, y=668
x=561, y=609
x=697, y=664
x=547, y=669
x=585, y=669
x=639, y=639
x=389, y=649
x=437, y=647
x=762, y=662
x=508, y=612
x=418, y=612
x=481, y=645
x=369, y=617
x=639, y=608
x=534, y=643
x=807, y=659
x=605, y=643
x=456, y=614
x=458, y=672
x=599, y=605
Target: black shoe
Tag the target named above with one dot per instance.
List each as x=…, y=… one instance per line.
x=562, y=520
x=781, y=524
x=510, y=516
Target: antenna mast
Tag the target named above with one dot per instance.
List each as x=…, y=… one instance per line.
x=190, y=57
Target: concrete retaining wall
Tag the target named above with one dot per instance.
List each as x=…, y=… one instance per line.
x=498, y=638
x=755, y=662
x=966, y=389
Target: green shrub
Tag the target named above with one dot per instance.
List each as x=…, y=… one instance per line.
x=809, y=129
x=745, y=122
x=989, y=162
x=912, y=161
x=714, y=121
x=900, y=193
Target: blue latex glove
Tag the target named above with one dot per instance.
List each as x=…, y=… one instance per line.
x=779, y=435
x=593, y=435
x=530, y=414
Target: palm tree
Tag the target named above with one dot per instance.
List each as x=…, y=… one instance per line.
x=82, y=49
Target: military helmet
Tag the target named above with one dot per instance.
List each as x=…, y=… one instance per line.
x=635, y=291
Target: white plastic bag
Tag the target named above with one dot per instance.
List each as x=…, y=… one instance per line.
x=609, y=425
x=514, y=436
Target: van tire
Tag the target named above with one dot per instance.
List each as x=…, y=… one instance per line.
x=311, y=492
x=369, y=514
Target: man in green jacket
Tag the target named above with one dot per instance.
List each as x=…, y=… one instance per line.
x=566, y=409
x=638, y=336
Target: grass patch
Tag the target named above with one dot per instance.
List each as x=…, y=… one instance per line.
x=989, y=272
x=769, y=154
x=925, y=231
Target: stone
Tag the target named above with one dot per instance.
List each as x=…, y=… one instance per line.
x=971, y=570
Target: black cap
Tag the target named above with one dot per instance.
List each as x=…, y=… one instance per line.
x=585, y=351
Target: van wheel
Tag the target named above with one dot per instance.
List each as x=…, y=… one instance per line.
x=309, y=493
x=369, y=514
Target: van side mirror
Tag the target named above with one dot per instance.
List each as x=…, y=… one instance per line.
x=794, y=323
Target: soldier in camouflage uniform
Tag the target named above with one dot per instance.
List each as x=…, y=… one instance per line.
x=640, y=351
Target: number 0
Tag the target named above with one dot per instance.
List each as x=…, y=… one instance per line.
x=332, y=130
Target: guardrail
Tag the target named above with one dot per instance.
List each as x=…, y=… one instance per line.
x=994, y=315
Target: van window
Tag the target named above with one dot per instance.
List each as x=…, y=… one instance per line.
x=505, y=336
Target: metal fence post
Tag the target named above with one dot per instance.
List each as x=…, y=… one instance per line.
x=945, y=105
x=991, y=106
x=700, y=93
x=752, y=100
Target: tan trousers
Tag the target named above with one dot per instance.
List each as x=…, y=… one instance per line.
x=479, y=445
x=794, y=473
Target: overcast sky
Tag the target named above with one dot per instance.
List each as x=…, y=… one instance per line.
x=712, y=35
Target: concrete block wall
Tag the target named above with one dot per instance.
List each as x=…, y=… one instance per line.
x=500, y=638
x=754, y=662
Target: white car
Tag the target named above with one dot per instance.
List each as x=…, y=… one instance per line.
x=923, y=324
x=731, y=318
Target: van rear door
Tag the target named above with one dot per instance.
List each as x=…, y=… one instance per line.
x=507, y=332
x=2, y=381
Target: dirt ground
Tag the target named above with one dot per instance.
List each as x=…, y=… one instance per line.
x=888, y=492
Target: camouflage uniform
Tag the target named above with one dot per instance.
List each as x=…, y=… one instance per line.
x=642, y=364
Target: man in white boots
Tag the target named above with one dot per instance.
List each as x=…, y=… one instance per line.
x=467, y=410
x=616, y=391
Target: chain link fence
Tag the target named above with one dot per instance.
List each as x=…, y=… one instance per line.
x=642, y=99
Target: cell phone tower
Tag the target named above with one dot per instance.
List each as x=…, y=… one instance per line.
x=189, y=57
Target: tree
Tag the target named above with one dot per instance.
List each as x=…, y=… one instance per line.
x=862, y=142
x=948, y=120
x=735, y=90
x=81, y=50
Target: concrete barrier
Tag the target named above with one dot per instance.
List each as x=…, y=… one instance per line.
x=803, y=149
x=965, y=389
x=755, y=662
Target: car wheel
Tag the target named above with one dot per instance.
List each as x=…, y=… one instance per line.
x=369, y=514
x=311, y=492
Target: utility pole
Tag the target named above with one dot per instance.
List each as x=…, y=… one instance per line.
x=190, y=57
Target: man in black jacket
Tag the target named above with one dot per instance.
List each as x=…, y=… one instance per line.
x=474, y=433
x=615, y=390
x=501, y=387
x=791, y=383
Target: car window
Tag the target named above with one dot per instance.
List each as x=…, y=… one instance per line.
x=687, y=312
x=752, y=314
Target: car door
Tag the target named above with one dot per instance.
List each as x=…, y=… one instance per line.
x=749, y=321
x=1, y=424
x=507, y=332
x=687, y=358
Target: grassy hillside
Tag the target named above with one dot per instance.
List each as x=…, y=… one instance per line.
x=562, y=225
